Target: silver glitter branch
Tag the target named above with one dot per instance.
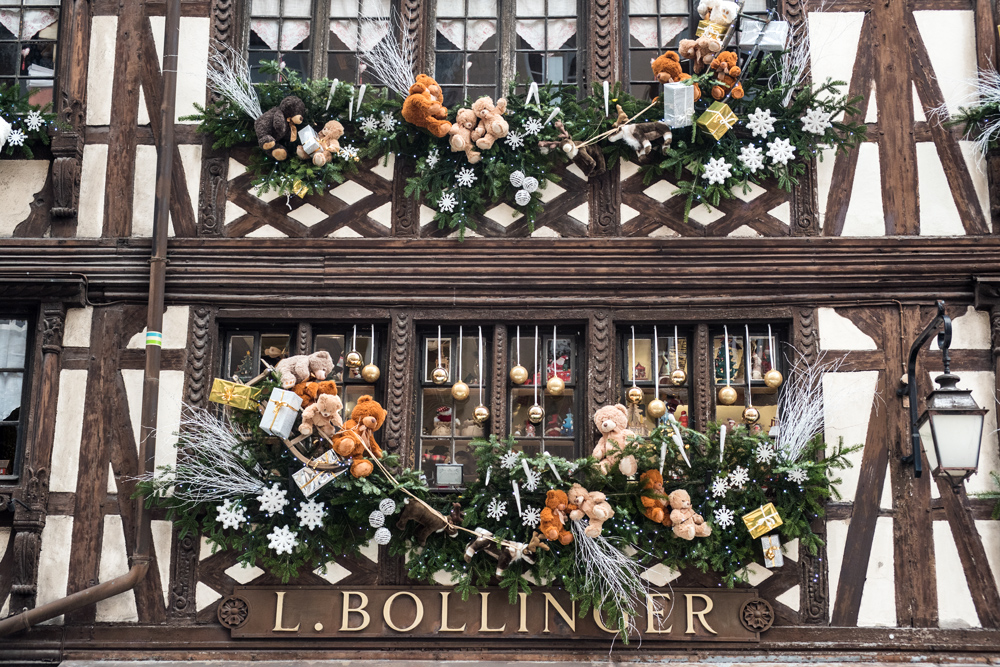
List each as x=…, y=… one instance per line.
x=800, y=405
x=986, y=92
x=388, y=60
x=229, y=76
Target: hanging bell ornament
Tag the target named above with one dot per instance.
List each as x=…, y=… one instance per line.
x=751, y=415
x=535, y=414
x=634, y=395
x=440, y=375
x=354, y=359
x=656, y=409
x=727, y=395
x=481, y=414
x=519, y=374
x=370, y=373
x=773, y=379
x=460, y=391
x=678, y=377
x=555, y=386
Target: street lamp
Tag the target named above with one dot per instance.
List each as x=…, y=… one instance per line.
x=952, y=424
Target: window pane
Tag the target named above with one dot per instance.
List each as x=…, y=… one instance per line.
x=351, y=394
x=264, y=8
x=334, y=344
x=13, y=343
x=437, y=357
x=8, y=448
x=451, y=8
x=10, y=396
x=297, y=8
x=241, y=361
x=563, y=362
x=482, y=7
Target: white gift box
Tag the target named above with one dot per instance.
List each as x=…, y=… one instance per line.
x=279, y=415
x=309, y=139
x=772, y=551
x=678, y=104
x=310, y=480
x=774, y=39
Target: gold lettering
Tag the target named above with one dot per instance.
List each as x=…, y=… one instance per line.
x=444, y=615
x=387, y=611
x=348, y=609
x=600, y=621
x=484, y=618
x=279, y=612
x=691, y=613
x=523, y=627
x=654, y=614
x=569, y=618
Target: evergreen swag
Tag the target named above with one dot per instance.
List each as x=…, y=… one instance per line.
x=29, y=122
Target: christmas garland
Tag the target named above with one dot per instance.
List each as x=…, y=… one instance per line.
x=23, y=126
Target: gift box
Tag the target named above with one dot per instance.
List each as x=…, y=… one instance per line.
x=310, y=480
x=717, y=119
x=234, y=394
x=774, y=38
x=309, y=139
x=711, y=30
x=772, y=551
x=762, y=520
x=678, y=104
x=279, y=415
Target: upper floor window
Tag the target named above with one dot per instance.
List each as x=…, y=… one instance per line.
x=748, y=365
x=348, y=36
x=280, y=30
x=28, y=33
x=467, y=38
x=13, y=393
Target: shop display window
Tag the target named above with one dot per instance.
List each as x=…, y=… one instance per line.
x=649, y=355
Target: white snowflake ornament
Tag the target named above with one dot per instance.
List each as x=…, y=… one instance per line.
x=522, y=197
x=376, y=519
x=531, y=516
x=761, y=122
x=816, y=121
x=465, y=177
x=387, y=506
x=16, y=138
x=717, y=170
x=273, y=500
x=738, y=478
x=382, y=536
x=517, y=178
x=724, y=517
x=719, y=487
x=533, y=126
x=388, y=123
x=447, y=202
x=752, y=158
x=282, y=540
x=432, y=159
x=532, y=478
x=798, y=475
x=780, y=151
x=369, y=125
x=231, y=515
x=311, y=515
x=509, y=460
x=497, y=509
x=34, y=120
x=530, y=183
x=349, y=153
x=765, y=453
x=515, y=140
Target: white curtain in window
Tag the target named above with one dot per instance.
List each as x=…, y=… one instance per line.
x=533, y=32
x=35, y=20
x=643, y=29
x=348, y=9
x=456, y=8
x=347, y=32
x=293, y=33
x=478, y=32
x=555, y=8
x=13, y=341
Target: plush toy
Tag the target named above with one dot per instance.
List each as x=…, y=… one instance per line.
x=590, y=159
x=667, y=69
x=612, y=422
x=324, y=415
x=366, y=418
x=442, y=421
x=567, y=426
x=328, y=144
x=654, y=500
x=723, y=12
x=309, y=391
x=491, y=121
x=470, y=429
x=554, y=516
x=700, y=51
x=687, y=523
x=423, y=107
x=640, y=136
x=591, y=504
x=279, y=124
x=726, y=72
x=554, y=427
x=465, y=131
x=301, y=367
x=430, y=522
x=504, y=554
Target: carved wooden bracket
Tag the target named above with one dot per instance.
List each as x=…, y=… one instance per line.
x=67, y=148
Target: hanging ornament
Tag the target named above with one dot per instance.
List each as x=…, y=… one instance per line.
x=382, y=536
x=656, y=409
x=519, y=374
x=535, y=414
x=371, y=373
x=481, y=414
x=354, y=358
x=555, y=384
x=727, y=395
x=772, y=378
x=634, y=395
x=460, y=390
x=440, y=374
x=751, y=415
x=679, y=376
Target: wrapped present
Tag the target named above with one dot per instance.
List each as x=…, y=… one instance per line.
x=717, y=119
x=772, y=551
x=309, y=139
x=678, y=104
x=774, y=37
x=762, y=520
x=279, y=415
x=310, y=480
x=711, y=30
x=237, y=395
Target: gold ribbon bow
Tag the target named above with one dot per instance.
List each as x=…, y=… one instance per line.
x=278, y=405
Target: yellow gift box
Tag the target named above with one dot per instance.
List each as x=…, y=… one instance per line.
x=717, y=119
x=762, y=520
x=711, y=30
x=240, y=396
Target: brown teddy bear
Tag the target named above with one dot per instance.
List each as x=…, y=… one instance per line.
x=554, y=516
x=301, y=367
x=726, y=73
x=687, y=523
x=700, y=52
x=423, y=107
x=323, y=415
x=654, y=500
x=279, y=124
x=612, y=422
x=366, y=418
x=491, y=121
x=667, y=69
x=464, y=134
x=308, y=391
x=328, y=144
x=591, y=504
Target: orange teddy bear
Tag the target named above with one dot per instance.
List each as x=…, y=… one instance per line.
x=366, y=418
x=423, y=106
x=655, y=505
x=667, y=69
x=726, y=72
x=309, y=391
x=554, y=516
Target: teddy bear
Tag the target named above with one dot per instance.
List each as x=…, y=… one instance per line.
x=423, y=107
x=309, y=391
x=491, y=121
x=366, y=418
x=726, y=72
x=470, y=429
x=554, y=516
x=701, y=52
x=279, y=124
x=442, y=421
x=328, y=144
x=591, y=504
x=667, y=69
x=654, y=500
x=465, y=131
x=301, y=367
x=687, y=523
x=722, y=12
x=612, y=422
x=324, y=415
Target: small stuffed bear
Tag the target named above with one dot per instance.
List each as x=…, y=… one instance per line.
x=654, y=500
x=554, y=515
x=423, y=107
x=464, y=134
x=470, y=429
x=324, y=415
x=591, y=504
x=328, y=144
x=279, y=124
x=700, y=52
x=366, y=418
x=301, y=367
x=612, y=422
x=726, y=71
x=310, y=391
x=667, y=69
x=491, y=121
x=687, y=523
x=722, y=12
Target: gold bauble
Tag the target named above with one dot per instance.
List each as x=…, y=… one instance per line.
x=751, y=415
x=370, y=373
x=519, y=374
x=481, y=414
x=460, y=391
x=773, y=379
x=555, y=386
x=678, y=377
x=656, y=409
x=634, y=395
x=440, y=375
x=727, y=395
x=535, y=414
x=354, y=359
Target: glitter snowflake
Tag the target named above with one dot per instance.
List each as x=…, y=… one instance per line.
x=724, y=517
x=781, y=150
x=432, y=159
x=311, y=515
x=532, y=479
x=761, y=122
x=16, y=138
x=497, y=509
x=752, y=158
x=369, y=125
x=509, y=460
x=349, y=153
x=798, y=475
x=231, y=515
x=465, y=177
x=282, y=540
x=531, y=516
x=719, y=487
x=816, y=121
x=738, y=477
x=765, y=453
x=34, y=120
x=717, y=170
x=515, y=139
x=533, y=126
x=447, y=202
x=388, y=123
x=273, y=500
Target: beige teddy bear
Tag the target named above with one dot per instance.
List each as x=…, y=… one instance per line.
x=328, y=144
x=323, y=415
x=464, y=134
x=591, y=504
x=491, y=121
x=688, y=524
x=299, y=368
x=612, y=422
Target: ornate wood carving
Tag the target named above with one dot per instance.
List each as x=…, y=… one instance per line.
x=605, y=204
x=498, y=388
x=702, y=377
x=303, y=338
x=27, y=529
x=402, y=353
x=65, y=186
x=805, y=221
x=53, y=320
x=995, y=331
x=604, y=17
x=405, y=210
x=199, y=370
x=212, y=195
x=601, y=371
x=184, y=578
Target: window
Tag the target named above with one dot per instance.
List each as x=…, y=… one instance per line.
x=280, y=30
x=13, y=359
x=651, y=359
x=28, y=33
x=547, y=38
x=743, y=366
x=466, y=62
x=347, y=35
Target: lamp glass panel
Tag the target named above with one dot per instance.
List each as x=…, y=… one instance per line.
x=927, y=441
x=957, y=437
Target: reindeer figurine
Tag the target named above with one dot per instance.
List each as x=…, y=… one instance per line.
x=504, y=554
x=429, y=520
x=590, y=159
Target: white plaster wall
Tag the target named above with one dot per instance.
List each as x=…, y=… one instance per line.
x=168, y=416
x=175, y=330
x=953, y=60
x=76, y=332
x=69, y=424
x=101, y=70
x=834, y=40
x=19, y=181
x=836, y=538
x=144, y=192
x=989, y=532
x=192, y=63
x=969, y=331
x=955, y=607
x=938, y=212
x=93, y=179
x=53, y=561
x=878, y=600
x=847, y=408
x=114, y=563
x=837, y=332
x=864, y=214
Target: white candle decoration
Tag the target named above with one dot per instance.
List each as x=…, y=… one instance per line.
x=555, y=112
x=532, y=92
x=722, y=441
x=517, y=497
x=333, y=87
x=676, y=430
x=606, y=95
x=350, y=107
x=488, y=472
x=361, y=96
